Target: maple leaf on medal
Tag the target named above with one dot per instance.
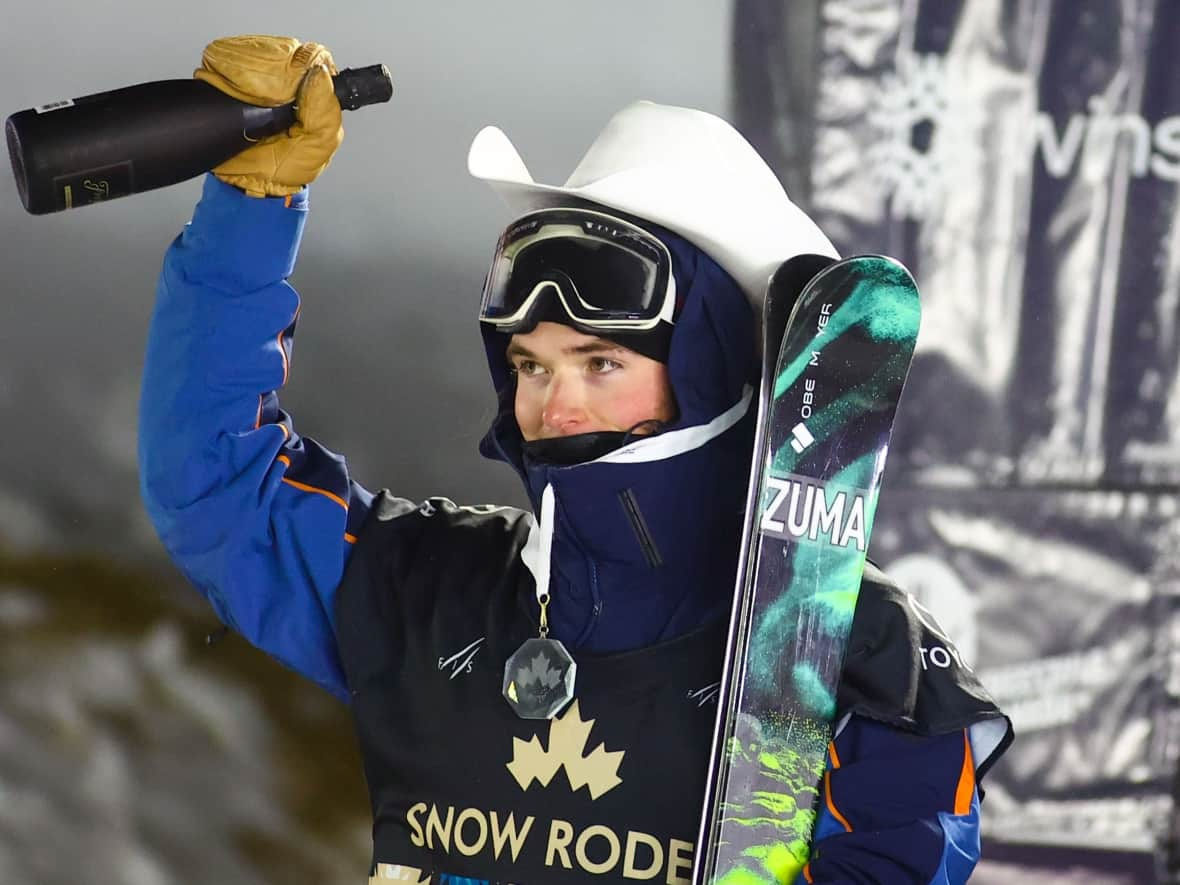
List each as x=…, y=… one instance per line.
x=540, y=672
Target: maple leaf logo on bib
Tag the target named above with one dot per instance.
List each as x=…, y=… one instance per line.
x=568, y=736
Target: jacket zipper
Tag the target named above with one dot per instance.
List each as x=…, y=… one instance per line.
x=642, y=533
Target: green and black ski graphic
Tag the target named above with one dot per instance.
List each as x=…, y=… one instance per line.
x=828, y=399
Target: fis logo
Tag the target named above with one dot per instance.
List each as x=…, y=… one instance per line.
x=928, y=136
x=463, y=661
x=800, y=508
x=568, y=736
x=706, y=695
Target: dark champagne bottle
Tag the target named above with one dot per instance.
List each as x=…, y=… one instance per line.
x=111, y=144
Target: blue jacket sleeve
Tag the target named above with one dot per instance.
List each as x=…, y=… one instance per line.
x=897, y=808
x=260, y=519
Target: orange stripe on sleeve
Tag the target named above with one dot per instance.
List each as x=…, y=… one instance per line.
x=966, y=788
x=283, y=350
x=258, y=421
x=314, y=490
x=833, y=755
x=283, y=354
x=807, y=872
x=303, y=487
x=287, y=201
x=351, y=539
x=832, y=805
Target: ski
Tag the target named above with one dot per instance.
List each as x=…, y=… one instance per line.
x=828, y=398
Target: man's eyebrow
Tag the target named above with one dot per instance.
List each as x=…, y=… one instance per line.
x=515, y=349
x=598, y=345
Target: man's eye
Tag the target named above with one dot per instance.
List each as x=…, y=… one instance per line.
x=600, y=365
x=527, y=367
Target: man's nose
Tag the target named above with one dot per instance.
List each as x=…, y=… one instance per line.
x=564, y=413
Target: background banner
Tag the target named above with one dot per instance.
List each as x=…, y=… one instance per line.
x=1069, y=602
x=1022, y=158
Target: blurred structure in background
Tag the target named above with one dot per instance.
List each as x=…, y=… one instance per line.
x=1022, y=158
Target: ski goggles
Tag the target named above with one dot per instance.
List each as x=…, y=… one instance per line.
x=607, y=273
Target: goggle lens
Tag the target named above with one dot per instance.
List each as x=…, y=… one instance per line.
x=608, y=273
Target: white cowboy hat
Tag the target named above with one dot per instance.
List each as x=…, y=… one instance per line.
x=686, y=170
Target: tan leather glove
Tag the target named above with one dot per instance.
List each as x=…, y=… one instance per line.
x=272, y=71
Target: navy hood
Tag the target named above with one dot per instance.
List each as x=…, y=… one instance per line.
x=640, y=545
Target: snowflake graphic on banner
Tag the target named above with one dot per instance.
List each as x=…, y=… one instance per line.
x=924, y=138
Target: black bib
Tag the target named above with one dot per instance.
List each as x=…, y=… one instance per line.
x=434, y=601
x=609, y=790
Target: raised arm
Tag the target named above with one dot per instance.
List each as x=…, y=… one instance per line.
x=257, y=517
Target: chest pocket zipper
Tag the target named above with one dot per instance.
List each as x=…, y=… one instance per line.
x=639, y=526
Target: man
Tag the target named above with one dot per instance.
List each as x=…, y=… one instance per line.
x=620, y=338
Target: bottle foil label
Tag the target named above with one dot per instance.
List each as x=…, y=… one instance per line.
x=93, y=185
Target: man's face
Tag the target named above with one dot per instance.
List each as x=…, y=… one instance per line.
x=568, y=383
